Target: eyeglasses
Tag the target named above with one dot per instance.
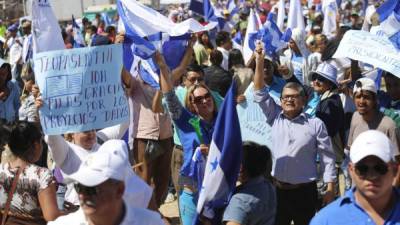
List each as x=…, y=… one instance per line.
x=290, y=97
x=89, y=191
x=194, y=79
x=364, y=170
x=200, y=99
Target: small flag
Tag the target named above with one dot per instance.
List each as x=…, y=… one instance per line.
x=77, y=34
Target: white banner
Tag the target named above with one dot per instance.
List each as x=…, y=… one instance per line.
x=369, y=48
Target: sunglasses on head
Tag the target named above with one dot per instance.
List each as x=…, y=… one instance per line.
x=82, y=189
x=364, y=170
x=200, y=99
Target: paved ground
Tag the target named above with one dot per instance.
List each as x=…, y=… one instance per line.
x=170, y=210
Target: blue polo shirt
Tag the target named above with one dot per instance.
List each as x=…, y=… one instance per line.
x=346, y=211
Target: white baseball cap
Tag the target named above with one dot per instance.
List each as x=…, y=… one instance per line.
x=372, y=142
x=107, y=163
x=327, y=71
x=365, y=84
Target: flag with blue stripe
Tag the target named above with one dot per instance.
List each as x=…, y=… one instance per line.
x=106, y=18
x=389, y=16
x=208, y=11
x=223, y=161
x=77, y=34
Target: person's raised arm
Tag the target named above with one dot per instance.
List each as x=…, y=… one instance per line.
x=187, y=58
x=165, y=80
x=156, y=105
x=259, y=82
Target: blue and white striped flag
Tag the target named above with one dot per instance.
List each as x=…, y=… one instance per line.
x=389, y=16
x=223, y=161
x=77, y=34
x=253, y=26
x=106, y=18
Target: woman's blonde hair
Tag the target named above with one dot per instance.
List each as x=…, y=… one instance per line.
x=189, y=97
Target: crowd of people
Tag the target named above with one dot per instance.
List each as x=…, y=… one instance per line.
x=328, y=119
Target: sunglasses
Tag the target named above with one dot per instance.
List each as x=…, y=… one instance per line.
x=319, y=78
x=194, y=79
x=200, y=99
x=363, y=170
x=89, y=191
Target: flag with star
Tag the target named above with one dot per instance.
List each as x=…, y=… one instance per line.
x=223, y=161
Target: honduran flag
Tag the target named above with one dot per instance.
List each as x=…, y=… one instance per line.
x=77, y=34
x=389, y=17
x=223, y=162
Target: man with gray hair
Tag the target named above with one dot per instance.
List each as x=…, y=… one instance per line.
x=296, y=140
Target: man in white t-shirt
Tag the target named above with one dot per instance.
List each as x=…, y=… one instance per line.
x=100, y=185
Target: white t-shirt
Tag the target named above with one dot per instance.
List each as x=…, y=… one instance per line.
x=225, y=54
x=68, y=157
x=133, y=216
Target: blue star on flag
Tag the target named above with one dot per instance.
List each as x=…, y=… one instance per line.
x=214, y=164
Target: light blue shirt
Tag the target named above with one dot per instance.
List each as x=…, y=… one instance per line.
x=254, y=203
x=295, y=144
x=9, y=108
x=346, y=211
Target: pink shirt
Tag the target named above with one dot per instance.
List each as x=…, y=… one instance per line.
x=148, y=125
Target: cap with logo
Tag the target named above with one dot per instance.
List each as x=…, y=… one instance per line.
x=372, y=143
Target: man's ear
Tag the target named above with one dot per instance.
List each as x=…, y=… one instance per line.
x=120, y=189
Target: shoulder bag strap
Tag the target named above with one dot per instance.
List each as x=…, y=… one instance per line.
x=10, y=196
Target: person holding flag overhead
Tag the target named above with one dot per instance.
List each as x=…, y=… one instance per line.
x=296, y=140
x=195, y=123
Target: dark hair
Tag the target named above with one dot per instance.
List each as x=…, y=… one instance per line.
x=390, y=75
x=221, y=38
x=93, y=28
x=255, y=159
x=20, y=136
x=7, y=66
x=110, y=29
x=209, y=44
x=216, y=57
x=194, y=68
x=235, y=58
x=295, y=86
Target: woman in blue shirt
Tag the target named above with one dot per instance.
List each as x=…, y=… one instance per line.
x=195, y=122
x=9, y=94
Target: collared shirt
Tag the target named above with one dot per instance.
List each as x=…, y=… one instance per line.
x=295, y=144
x=133, y=216
x=148, y=125
x=346, y=211
x=225, y=55
x=9, y=108
x=254, y=203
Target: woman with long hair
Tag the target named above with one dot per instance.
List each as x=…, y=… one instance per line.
x=195, y=122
